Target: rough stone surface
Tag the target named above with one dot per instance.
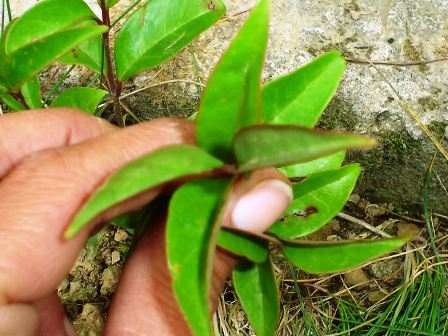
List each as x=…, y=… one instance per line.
x=385, y=30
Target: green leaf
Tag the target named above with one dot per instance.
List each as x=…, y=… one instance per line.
x=257, y=290
x=280, y=145
x=244, y=244
x=300, y=97
x=160, y=29
x=45, y=19
x=82, y=98
x=330, y=257
x=14, y=104
x=27, y=61
x=317, y=199
x=89, y=53
x=160, y=166
x=304, y=169
x=31, y=93
x=194, y=218
x=231, y=99
x=5, y=86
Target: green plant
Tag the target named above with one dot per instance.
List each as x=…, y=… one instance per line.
x=242, y=127
x=69, y=32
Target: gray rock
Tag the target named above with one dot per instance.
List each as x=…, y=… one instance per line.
x=385, y=268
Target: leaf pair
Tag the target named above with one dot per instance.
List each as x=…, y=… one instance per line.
x=36, y=39
x=152, y=34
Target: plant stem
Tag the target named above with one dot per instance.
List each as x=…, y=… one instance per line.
x=113, y=86
x=19, y=97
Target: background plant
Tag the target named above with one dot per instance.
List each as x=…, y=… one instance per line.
x=244, y=127
x=69, y=32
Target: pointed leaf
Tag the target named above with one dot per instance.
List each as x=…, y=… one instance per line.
x=304, y=169
x=330, y=257
x=82, y=98
x=269, y=145
x=317, y=199
x=160, y=29
x=194, y=218
x=89, y=53
x=231, y=99
x=257, y=290
x=244, y=244
x=300, y=97
x=30, y=59
x=44, y=19
x=31, y=93
x=160, y=166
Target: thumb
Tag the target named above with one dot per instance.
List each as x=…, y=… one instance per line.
x=256, y=203
x=144, y=302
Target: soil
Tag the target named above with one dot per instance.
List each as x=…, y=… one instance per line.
x=88, y=289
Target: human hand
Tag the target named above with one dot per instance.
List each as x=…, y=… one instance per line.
x=51, y=161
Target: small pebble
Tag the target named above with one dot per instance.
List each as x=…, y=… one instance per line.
x=383, y=269
x=354, y=198
x=375, y=296
x=110, y=279
x=375, y=210
x=64, y=286
x=121, y=235
x=115, y=255
x=357, y=278
x=407, y=229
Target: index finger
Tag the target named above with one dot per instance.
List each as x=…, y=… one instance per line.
x=23, y=133
x=40, y=196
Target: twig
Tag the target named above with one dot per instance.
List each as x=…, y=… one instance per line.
x=441, y=183
x=364, y=224
x=228, y=18
x=359, y=60
x=161, y=83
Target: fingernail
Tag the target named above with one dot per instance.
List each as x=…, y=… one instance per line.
x=69, y=328
x=261, y=206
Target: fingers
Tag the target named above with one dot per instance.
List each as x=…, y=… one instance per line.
x=31, y=131
x=40, y=196
x=52, y=319
x=144, y=303
x=18, y=319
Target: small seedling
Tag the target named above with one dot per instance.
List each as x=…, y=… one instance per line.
x=153, y=34
x=243, y=126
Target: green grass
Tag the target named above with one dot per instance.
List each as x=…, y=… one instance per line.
x=414, y=304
